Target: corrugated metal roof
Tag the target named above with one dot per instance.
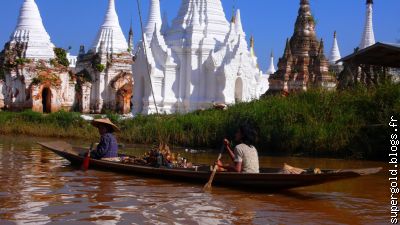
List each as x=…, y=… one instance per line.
x=380, y=54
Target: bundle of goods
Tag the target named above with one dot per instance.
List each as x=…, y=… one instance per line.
x=160, y=157
x=287, y=169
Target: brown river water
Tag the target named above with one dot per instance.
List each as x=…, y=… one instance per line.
x=38, y=187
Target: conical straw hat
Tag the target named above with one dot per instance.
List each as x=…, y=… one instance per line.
x=105, y=121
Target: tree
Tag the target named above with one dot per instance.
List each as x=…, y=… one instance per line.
x=61, y=56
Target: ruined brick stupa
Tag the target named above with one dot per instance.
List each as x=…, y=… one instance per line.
x=198, y=60
x=303, y=64
x=104, y=73
x=34, y=76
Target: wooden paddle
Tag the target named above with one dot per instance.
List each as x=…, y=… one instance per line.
x=86, y=160
x=208, y=186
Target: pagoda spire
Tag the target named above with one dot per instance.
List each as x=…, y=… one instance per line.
x=238, y=22
x=335, y=52
x=304, y=30
x=288, y=51
x=233, y=19
x=252, y=51
x=303, y=64
x=368, y=37
x=30, y=30
x=211, y=18
x=154, y=19
x=321, y=48
x=271, y=69
x=110, y=38
x=130, y=39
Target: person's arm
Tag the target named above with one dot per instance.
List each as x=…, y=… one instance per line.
x=102, y=148
x=236, y=167
x=229, y=150
x=237, y=161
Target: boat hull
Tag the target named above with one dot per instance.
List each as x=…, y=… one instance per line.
x=269, y=179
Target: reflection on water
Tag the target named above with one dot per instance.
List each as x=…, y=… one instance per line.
x=37, y=187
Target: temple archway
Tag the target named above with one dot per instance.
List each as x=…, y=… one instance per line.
x=238, y=90
x=46, y=100
x=123, y=87
x=123, y=99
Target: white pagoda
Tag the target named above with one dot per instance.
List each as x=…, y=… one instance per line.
x=199, y=60
x=271, y=68
x=30, y=30
x=110, y=38
x=33, y=78
x=334, y=55
x=104, y=73
x=368, y=37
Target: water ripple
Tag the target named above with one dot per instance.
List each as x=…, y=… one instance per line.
x=37, y=187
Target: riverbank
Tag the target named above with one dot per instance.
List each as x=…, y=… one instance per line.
x=348, y=124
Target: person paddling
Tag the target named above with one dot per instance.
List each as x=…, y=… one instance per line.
x=245, y=155
x=107, y=149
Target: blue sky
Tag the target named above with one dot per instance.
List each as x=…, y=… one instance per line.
x=76, y=22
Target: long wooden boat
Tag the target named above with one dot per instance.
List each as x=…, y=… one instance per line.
x=268, y=179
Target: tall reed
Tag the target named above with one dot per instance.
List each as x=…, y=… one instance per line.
x=351, y=123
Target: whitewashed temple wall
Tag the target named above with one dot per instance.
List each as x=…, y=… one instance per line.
x=163, y=80
x=199, y=61
x=16, y=91
x=115, y=78
x=106, y=86
x=21, y=91
x=193, y=85
x=86, y=91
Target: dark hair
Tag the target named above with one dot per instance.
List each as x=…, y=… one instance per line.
x=109, y=128
x=249, y=133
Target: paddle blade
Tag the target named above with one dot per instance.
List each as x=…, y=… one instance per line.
x=85, y=164
x=86, y=160
x=207, y=187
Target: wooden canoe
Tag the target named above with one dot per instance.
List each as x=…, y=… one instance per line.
x=268, y=179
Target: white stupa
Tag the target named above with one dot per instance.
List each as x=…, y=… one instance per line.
x=334, y=55
x=30, y=30
x=368, y=37
x=203, y=15
x=198, y=60
x=154, y=19
x=110, y=38
x=271, y=68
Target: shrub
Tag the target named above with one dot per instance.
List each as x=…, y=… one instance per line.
x=61, y=57
x=30, y=116
x=64, y=119
x=317, y=123
x=114, y=117
x=100, y=67
x=345, y=124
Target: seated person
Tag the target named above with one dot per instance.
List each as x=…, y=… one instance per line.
x=245, y=155
x=108, y=147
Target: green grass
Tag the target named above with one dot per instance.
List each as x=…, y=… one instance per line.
x=347, y=124
x=61, y=125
